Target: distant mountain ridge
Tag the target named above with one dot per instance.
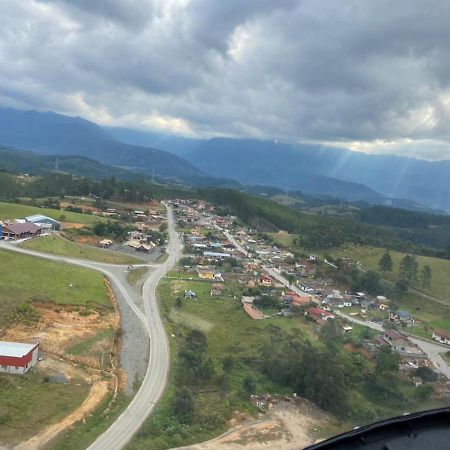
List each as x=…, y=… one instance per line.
x=420, y=181
x=50, y=133
x=287, y=166
x=312, y=169
x=24, y=161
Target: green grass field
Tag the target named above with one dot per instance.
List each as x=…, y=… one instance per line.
x=27, y=278
x=370, y=256
x=60, y=246
x=285, y=240
x=135, y=275
x=230, y=332
x=29, y=403
x=16, y=211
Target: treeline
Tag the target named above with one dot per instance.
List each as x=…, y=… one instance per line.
x=401, y=218
x=320, y=232
x=314, y=232
x=60, y=185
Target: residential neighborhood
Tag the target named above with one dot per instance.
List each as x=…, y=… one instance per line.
x=221, y=249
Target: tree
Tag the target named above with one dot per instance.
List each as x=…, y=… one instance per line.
x=386, y=264
x=408, y=268
x=423, y=392
x=228, y=363
x=426, y=374
x=183, y=404
x=426, y=277
x=386, y=361
x=249, y=384
x=366, y=281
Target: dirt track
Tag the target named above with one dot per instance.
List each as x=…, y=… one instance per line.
x=286, y=426
x=97, y=392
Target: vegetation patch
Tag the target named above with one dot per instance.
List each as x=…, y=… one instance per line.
x=27, y=278
x=16, y=211
x=60, y=246
x=31, y=402
x=135, y=275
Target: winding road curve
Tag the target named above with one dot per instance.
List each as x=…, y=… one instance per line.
x=155, y=380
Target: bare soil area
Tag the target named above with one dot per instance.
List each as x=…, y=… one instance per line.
x=59, y=330
x=286, y=425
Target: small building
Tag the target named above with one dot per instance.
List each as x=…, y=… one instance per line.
x=216, y=255
x=44, y=222
x=441, y=336
x=318, y=313
x=417, y=381
x=105, y=243
x=15, y=230
x=265, y=280
x=17, y=358
x=209, y=275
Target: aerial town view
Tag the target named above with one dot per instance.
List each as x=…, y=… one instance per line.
x=224, y=225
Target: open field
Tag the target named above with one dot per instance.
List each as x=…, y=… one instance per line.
x=60, y=246
x=26, y=279
x=286, y=240
x=370, y=256
x=16, y=211
x=30, y=401
x=135, y=275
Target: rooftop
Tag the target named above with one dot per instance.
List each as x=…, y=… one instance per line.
x=15, y=349
x=38, y=217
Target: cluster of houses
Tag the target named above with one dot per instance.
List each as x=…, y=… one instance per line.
x=28, y=227
x=318, y=300
x=139, y=241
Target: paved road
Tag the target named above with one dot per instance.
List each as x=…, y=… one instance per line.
x=152, y=387
x=155, y=380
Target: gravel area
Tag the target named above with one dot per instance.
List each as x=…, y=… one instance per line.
x=135, y=342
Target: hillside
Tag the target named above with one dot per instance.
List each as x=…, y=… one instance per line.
x=21, y=161
x=314, y=169
x=50, y=133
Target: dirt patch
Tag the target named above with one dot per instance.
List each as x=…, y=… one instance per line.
x=65, y=225
x=60, y=331
x=286, y=425
x=88, y=240
x=362, y=351
x=97, y=392
x=61, y=327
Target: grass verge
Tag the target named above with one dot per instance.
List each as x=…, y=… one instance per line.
x=60, y=246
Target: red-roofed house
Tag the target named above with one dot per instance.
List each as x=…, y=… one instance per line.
x=20, y=230
x=318, y=313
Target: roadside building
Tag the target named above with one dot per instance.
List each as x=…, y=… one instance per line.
x=17, y=358
x=441, y=336
x=15, y=230
x=44, y=222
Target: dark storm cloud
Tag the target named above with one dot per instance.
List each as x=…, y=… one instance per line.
x=373, y=73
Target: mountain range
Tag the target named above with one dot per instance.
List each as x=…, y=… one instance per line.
x=312, y=169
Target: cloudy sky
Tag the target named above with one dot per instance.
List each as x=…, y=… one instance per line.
x=372, y=75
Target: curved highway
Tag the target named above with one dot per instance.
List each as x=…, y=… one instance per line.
x=155, y=380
